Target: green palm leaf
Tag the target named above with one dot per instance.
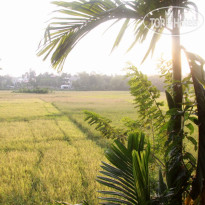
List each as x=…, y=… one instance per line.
x=77, y=18
x=128, y=175
x=62, y=35
x=196, y=65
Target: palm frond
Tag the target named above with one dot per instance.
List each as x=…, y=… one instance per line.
x=77, y=18
x=196, y=64
x=64, y=33
x=128, y=175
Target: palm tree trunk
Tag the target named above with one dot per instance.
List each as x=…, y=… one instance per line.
x=176, y=61
x=177, y=97
x=177, y=73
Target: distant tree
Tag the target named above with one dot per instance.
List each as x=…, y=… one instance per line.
x=94, y=81
x=30, y=78
x=47, y=80
x=6, y=82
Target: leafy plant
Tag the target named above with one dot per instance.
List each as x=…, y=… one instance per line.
x=103, y=125
x=34, y=90
x=146, y=98
x=128, y=174
x=196, y=64
x=149, y=108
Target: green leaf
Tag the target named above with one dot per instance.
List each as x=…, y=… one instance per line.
x=121, y=33
x=128, y=174
x=76, y=19
x=103, y=125
x=172, y=112
x=190, y=127
x=155, y=38
x=162, y=186
x=194, y=120
x=170, y=100
x=196, y=64
x=193, y=141
x=190, y=157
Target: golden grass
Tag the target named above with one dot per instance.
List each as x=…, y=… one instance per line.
x=47, y=152
x=25, y=108
x=44, y=159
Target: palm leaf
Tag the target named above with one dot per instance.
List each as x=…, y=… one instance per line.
x=83, y=16
x=121, y=33
x=196, y=64
x=128, y=173
x=88, y=15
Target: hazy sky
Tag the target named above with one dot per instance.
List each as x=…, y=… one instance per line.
x=22, y=25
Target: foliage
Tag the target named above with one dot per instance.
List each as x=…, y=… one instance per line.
x=151, y=118
x=63, y=33
x=149, y=108
x=174, y=143
x=128, y=174
x=165, y=67
x=6, y=82
x=79, y=82
x=83, y=16
x=192, y=114
x=91, y=82
x=52, y=81
x=196, y=64
x=146, y=98
x=34, y=90
x=44, y=80
x=103, y=125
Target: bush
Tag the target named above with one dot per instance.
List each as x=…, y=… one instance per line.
x=34, y=90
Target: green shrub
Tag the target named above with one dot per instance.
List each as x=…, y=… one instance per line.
x=33, y=90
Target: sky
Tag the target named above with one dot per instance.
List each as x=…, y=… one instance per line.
x=22, y=26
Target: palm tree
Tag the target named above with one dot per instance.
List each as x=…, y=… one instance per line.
x=82, y=16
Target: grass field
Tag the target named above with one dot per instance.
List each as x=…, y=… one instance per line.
x=47, y=152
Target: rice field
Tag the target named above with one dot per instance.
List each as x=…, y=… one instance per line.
x=48, y=153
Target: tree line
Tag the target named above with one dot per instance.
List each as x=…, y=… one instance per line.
x=81, y=82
